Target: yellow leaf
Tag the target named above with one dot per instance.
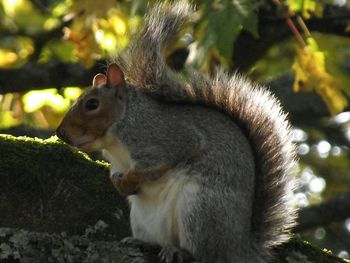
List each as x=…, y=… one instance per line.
x=118, y=24
x=37, y=99
x=8, y=119
x=307, y=8
x=86, y=48
x=311, y=74
x=7, y=58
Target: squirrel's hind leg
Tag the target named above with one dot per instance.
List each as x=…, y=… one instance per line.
x=216, y=227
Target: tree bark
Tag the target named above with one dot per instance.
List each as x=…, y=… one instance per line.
x=57, y=205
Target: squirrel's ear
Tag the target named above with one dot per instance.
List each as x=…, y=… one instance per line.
x=115, y=75
x=99, y=79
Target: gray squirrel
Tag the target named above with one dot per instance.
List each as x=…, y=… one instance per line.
x=206, y=163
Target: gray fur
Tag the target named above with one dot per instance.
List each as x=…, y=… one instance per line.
x=242, y=163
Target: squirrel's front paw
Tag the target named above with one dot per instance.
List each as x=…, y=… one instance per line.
x=123, y=185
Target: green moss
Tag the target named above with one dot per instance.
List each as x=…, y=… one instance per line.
x=300, y=251
x=52, y=141
x=48, y=185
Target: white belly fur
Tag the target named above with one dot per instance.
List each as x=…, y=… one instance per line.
x=156, y=211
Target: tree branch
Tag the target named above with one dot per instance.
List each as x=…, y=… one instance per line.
x=300, y=106
x=43, y=247
x=42, y=76
x=33, y=247
x=334, y=210
x=46, y=186
x=273, y=29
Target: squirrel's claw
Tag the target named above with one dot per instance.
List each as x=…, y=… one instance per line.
x=133, y=242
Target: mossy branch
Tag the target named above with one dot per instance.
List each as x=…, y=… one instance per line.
x=57, y=205
x=48, y=186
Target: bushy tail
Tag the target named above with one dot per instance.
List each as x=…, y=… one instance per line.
x=142, y=62
x=252, y=107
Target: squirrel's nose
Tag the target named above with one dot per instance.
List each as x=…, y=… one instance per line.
x=62, y=134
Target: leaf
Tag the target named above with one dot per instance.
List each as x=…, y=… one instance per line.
x=86, y=48
x=92, y=7
x=24, y=15
x=250, y=23
x=7, y=58
x=82, y=32
x=220, y=25
x=307, y=8
x=99, y=29
x=36, y=99
x=223, y=28
x=311, y=74
x=8, y=119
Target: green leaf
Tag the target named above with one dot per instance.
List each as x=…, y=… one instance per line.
x=250, y=23
x=222, y=22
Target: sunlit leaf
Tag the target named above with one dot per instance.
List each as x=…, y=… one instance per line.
x=7, y=58
x=118, y=24
x=86, y=48
x=220, y=26
x=51, y=23
x=24, y=15
x=72, y=93
x=61, y=8
x=311, y=74
x=34, y=100
x=58, y=49
x=8, y=119
x=306, y=8
x=92, y=7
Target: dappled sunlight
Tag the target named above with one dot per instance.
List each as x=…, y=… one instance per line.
x=341, y=118
x=302, y=200
x=303, y=149
x=34, y=100
x=118, y=24
x=320, y=233
x=12, y=6
x=343, y=254
x=310, y=188
x=72, y=93
x=40, y=108
x=299, y=135
x=317, y=185
x=7, y=58
x=323, y=148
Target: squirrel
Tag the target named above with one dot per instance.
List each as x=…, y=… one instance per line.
x=206, y=163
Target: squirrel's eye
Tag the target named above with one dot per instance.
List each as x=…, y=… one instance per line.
x=92, y=104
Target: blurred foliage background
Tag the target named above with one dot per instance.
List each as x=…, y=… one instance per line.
x=50, y=50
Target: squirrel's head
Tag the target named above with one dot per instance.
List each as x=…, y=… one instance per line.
x=87, y=121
